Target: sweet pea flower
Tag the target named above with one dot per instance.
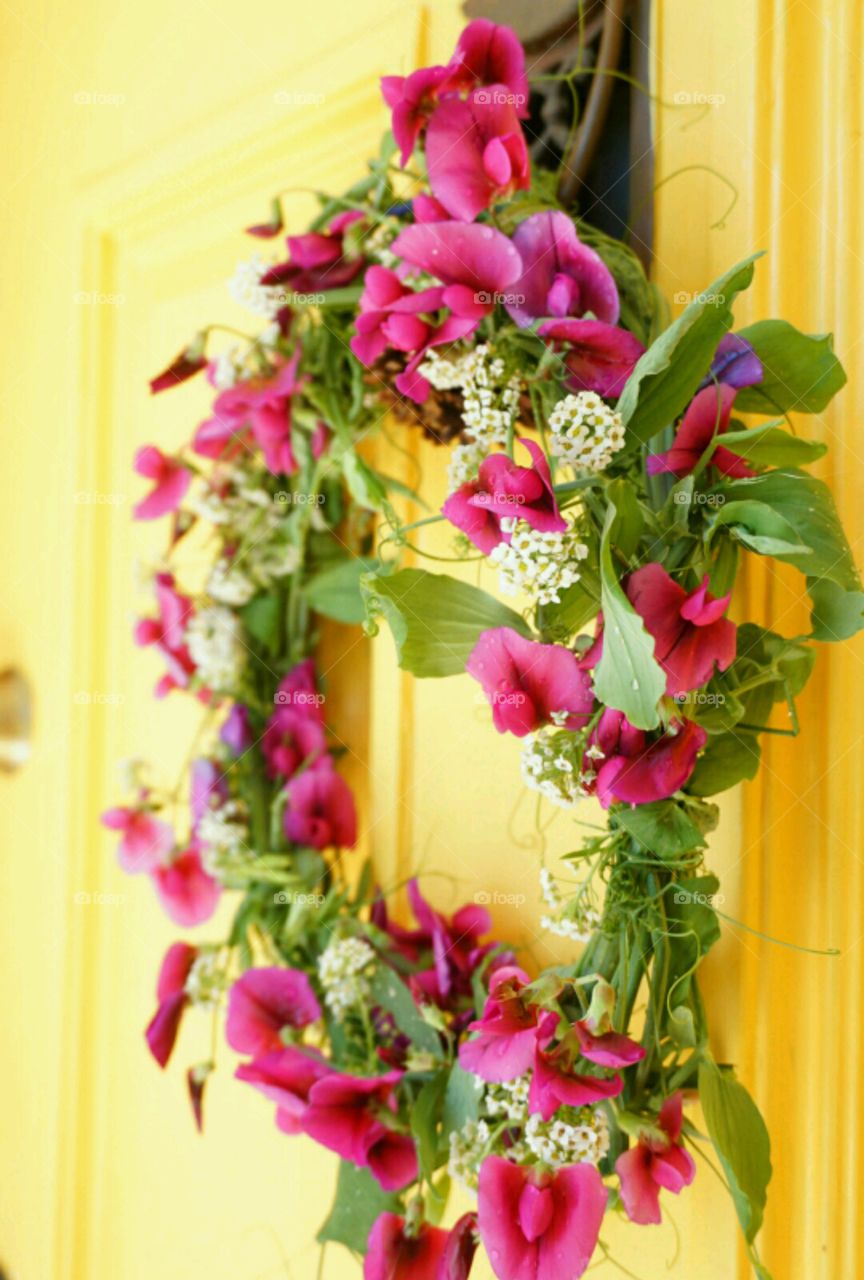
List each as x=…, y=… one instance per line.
x=263, y=1002
x=395, y=1253
x=691, y=635
x=172, y=1000
x=299, y=689
x=167, y=633
x=561, y=276
x=320, y=810
x=476, y=152
x=555, y=1082
x=502, y=491
x=606, y=1048
x=235, y=732
x=208, y=785
x=317, y=260
x=170, y=483
x=460, y=1248
x=529, y=684
x=735, y=363
x=146, y=840
x=539, y=1226
x=292, y=737
x=490, y=54
x=412, y=100
x=635, y=770
x=190, y=361
x=506, y=1034
x=657, y=1160
x=286, y=1076
x=188, y=894
x=598, y=357
x=707, y=416
x=341, y=1114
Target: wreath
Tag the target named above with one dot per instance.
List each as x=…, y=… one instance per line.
x=598, y=460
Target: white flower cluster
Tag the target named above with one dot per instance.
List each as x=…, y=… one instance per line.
x=215, y=645
x=228, y=584
x=224, y=834
x=551, y=763
x=344, y=969
x=467, y=1149
x=491, y=401
x=586, y=433
x=510, y=1098
x=571, y=1136
x=246, y=288
x=206, y=981
x=574, y=923
x=464, y=464
x=540, y=564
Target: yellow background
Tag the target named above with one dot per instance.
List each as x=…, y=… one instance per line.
x=137, y=140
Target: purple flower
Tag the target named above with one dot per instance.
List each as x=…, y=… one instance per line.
x=561, y=276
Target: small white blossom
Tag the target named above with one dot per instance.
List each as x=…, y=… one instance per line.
x=467, y=1147
x=224, y=835
x=246, y=288
x=213, y=637
x=490, y=400
x=344, y=969
x=464, y=464
x=206, y=981
x=229, y=584
x=586, y=432
x=551, y=763
x=572, y=1136
x=540, y=564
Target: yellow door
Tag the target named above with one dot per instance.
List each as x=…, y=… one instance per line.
x=138, y=140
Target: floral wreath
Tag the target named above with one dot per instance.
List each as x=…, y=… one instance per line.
x=598, y=462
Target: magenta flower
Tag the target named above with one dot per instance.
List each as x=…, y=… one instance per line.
x=490, y=54
x=476, y=152
x=506, y=1034
x=208, y=785
x=657, y=1160
x=317, y=261
x=538, y=1226
x=635, y=770
x=505, y=491
x=412, y=100
x=455, y=946
x=292, y=737
x=161, y=1033
x=458, y=1256
x=286, y=1077
x=608, y=1048
x=145, y=841
x=190, y=361
x=320, y=810
x=342, y=1114
x=691, y=635
x=475, y=264
x=265, y=1001
x=299, y=688
x=529, y=684
x=397, y=1254
x=598, y=357
x=555, y=1083
x=561, y=276
x=188, y=894
x=167, y=633
x=707, y=416
x=170, y=482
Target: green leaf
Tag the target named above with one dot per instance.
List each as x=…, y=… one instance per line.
x=771, y=446
x=837, y=614
x=336, y=593
x=692, y=929
x=626, y=529
x=461, y=1099
x=800, y=370
x=668, y=374
x=261, y=618
x=759, y=528
x=364, y=485
x=729, y=758
x=389, y=991
x=358, y=1202
x=436, y=620
x=638, y=298
x=741, y=1141
x=807, y=507
x=425, y=1115
x=627, y=677
x=661, y=827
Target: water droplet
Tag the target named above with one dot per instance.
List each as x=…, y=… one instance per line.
x=634, y=684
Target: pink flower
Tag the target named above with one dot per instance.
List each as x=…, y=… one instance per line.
x=394, y=1254
x=188, y=894
x=146, y=840
x=476, y=152
x=507, y=1033
x=529, y=684
x=598, y=357
x=265, y=1001
x=342, y=1115
x=172, y=1000
x=292, y=737
x=637, y=771
x=539, y=1226
x=320, y=810
x=167, y=633
x=412, y=100
x=235, y=731
x=691, y=635
x=561, y=276
x=505, y=491
x=317, y=261
x=208, y=786
x=490, y=54
x=171, y=480
x=190, y=361
x=555, y=1083
x=286, y=1077
x=658, y=1160
x=459, y=1250
x=707, y=415
x=607, y=1049
x=299, y=688
x=455, y=946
